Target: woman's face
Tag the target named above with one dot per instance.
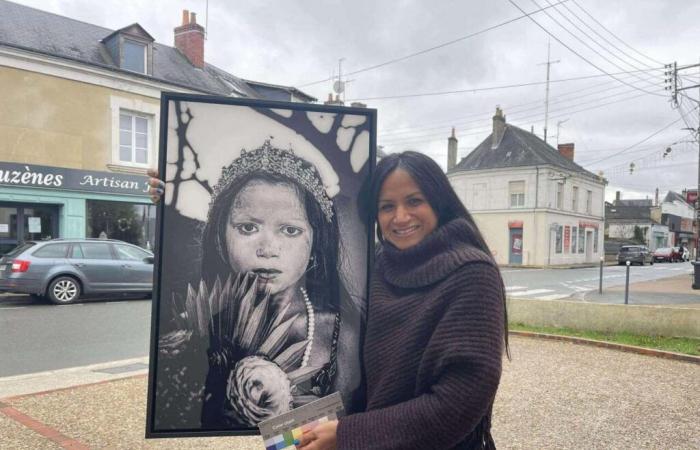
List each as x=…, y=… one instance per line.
x=403, y=213
x=269, y=234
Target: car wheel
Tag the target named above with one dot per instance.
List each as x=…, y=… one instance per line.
x=64, y=290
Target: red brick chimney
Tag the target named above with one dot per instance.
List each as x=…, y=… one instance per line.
x=189, y=39
x=566, y=150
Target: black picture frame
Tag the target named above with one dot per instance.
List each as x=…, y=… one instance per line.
x=219, y=123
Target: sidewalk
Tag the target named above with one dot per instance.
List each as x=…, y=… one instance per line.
x=676, y=291
x=553, y=395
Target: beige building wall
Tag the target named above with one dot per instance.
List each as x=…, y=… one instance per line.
x=52, y=121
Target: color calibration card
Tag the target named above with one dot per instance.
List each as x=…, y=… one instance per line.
x=279, y=432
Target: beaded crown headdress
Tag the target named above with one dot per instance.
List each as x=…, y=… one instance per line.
x=273, y=160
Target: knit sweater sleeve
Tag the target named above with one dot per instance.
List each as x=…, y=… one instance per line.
x=462, y=362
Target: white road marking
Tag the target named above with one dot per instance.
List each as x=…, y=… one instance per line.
x=530, y=292
x=553, y=297
x=515, y=288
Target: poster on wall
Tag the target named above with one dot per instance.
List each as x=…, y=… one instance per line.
x=34, y=224
x=262, y=262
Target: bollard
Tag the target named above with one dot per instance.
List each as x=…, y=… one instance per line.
x=627, y=283
x=600, y=283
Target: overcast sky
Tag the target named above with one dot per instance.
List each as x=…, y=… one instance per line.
x=297, y=42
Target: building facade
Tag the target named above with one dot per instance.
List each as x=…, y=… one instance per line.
x=80, y=120
x=532, y=203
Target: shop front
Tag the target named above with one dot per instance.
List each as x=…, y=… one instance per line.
x=42, y=202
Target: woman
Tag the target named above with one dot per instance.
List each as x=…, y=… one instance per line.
x=270, y=217
x=436, y=322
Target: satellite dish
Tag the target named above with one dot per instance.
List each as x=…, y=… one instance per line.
x=338, y=86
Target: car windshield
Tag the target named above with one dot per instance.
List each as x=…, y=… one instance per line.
x=629, y=249
x=20, y=248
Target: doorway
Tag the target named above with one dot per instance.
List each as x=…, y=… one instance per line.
x=516, y=246
x=26, y=222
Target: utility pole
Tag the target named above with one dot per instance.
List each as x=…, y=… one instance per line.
x=546, y=95
x=672, y=84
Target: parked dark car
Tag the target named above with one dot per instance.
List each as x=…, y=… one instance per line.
x=64, y=269
x=667, y=254
x=635, y=254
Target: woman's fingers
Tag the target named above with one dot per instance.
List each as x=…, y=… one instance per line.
x=157, y=186
x=305, y=439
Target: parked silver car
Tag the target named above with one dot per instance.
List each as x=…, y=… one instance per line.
x=64, y=269
x=635, y=254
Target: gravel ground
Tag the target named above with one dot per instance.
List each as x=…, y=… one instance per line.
x=553, y=395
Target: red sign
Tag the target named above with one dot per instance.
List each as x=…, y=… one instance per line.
x=587, y=225
x=515, y=224
x=567, y=238
x=691, y=196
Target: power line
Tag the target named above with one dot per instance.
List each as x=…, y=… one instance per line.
x=613, y=34
x=430, y=49
x=646, y=80
x=664, y=128
x=515, y=112
x=506, y=86
x=458, y=121
x=578, y=54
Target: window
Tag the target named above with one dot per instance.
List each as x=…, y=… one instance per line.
x=129, y=222
x=134, y=56
x=574, y=199
x=589, y=202
x=573, y=239
x=134, y=142
x=581, y=240
x=130, y=253
x=560, y=196
x=52, y=251
x=517, y=194
x=558, y=241
x=93, y=250
x=133, y=138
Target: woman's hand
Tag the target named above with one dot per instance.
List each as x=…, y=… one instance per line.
x=322, y=437
x=157, y=186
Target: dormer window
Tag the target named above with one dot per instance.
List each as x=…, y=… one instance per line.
x=130, y=48
x=134, y=56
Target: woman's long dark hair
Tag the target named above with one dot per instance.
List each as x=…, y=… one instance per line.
x=322, y=279
x=439, y=193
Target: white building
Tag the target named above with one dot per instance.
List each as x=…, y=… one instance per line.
x=532, y=203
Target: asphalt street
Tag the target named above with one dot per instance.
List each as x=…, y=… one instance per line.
x=36, y=336
x=556, y=284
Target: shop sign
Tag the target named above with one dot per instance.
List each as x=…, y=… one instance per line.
x=583, y=224
x=515, y=224
x=46, y=177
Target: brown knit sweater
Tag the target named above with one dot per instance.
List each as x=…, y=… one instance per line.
x=433, y=347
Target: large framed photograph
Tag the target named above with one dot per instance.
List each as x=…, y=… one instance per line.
x=262, y=262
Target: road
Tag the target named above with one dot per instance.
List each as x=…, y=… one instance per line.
x=555, y=284
x=37, y=336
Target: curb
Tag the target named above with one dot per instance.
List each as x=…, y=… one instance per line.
x=613, y=346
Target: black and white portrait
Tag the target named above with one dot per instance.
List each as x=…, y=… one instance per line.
x=262, y=262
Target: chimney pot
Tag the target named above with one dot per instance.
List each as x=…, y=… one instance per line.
x=452, y=150
x=566, y=150
x=499, y=128
x=189, y=39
